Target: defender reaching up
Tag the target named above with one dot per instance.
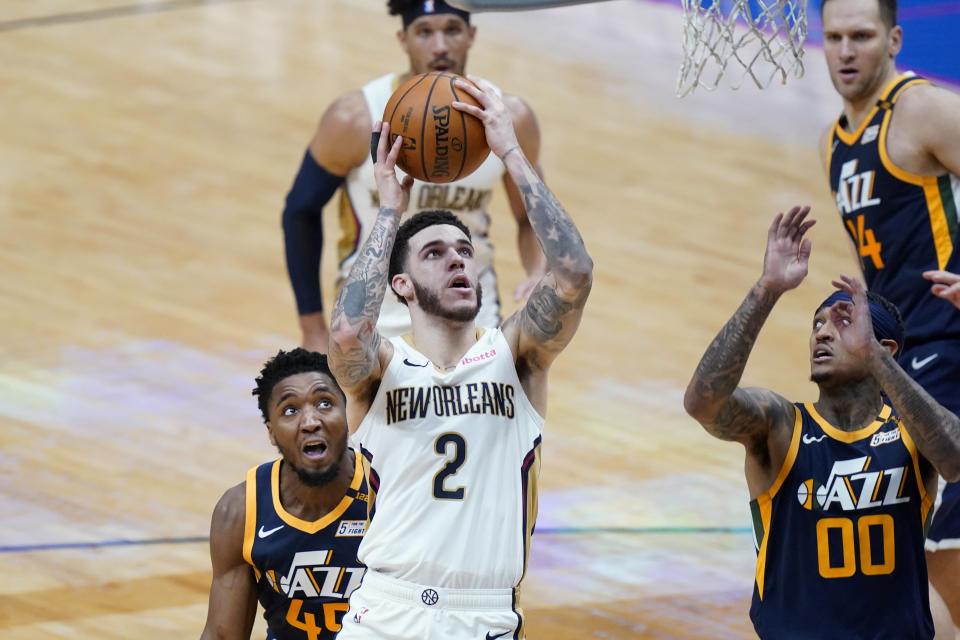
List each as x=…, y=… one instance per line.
x=841, y=489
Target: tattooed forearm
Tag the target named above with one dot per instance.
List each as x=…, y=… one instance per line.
x=352, y=365
x=715, y=381
x=354, y=319
x=543, y=315
x=931, y=425
x=559, y=238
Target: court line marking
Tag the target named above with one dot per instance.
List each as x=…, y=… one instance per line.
x=105, y=13
x=544, y=531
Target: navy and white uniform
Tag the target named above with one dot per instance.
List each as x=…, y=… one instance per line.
x=453, y=461
x=903, y=224
x=305, y=571
x=839, y=536
x=468, y=198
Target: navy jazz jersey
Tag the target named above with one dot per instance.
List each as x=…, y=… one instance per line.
x=305, y=571
x=839, y=536
x=901, y=224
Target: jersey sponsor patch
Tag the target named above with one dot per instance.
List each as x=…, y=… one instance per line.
x=479, y=357
x=351, y=528
x=884, y=437
x=870, y=134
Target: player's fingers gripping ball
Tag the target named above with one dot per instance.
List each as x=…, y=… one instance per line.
x=440, y=143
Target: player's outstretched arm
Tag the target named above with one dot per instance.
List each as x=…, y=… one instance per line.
x=934, y=428
x=528, y=136
x=946, y=285
x=548, y=320
x=233, y=594
x=340, y=143
x=713, y=398
x=357, y=352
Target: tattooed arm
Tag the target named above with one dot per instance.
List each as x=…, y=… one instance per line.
x=548, y=320
x=933, y=427
x=357, y=352
x=713, y=397
x=546, y=323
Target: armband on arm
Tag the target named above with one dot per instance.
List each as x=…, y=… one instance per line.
x=303, y=231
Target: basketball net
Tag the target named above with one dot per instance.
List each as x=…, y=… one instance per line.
x=760, y=38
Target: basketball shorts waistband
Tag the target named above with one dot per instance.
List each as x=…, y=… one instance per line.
x=377, y=584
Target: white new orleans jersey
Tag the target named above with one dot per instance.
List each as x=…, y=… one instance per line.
x=452, y=461
x=467, y=198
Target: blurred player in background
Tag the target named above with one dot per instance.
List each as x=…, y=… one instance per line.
x=435, y=37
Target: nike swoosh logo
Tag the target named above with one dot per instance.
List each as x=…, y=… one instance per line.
x=810, y=439
x=264, y=534
x=920, y=364
x=411, y=364
x=500, y=635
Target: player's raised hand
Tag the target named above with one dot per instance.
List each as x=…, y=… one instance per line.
x=852, y=319
x=393, y=194
x=788, y=252
x=497, y=119
x=947, y=285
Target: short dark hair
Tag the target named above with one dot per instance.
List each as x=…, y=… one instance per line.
x=284, y=365
x=888, y=12
x=891, y=308
x=415, y=224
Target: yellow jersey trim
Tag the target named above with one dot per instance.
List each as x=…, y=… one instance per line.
x=250, y=519
x=851, y=138
x=765, y=499
x=931, y=188
x=325, y=521
x=926, y=500
x=849, y=436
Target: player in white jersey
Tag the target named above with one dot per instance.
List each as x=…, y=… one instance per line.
x=448, y=419
x=435, y=37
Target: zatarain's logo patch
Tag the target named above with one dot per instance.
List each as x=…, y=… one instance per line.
x=884, y=437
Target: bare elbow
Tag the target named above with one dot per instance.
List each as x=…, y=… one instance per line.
x=584, y=269
x=696, y=406
x=346, y=336
x=577, y=281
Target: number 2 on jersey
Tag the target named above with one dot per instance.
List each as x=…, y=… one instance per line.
x=450, y=469
x=867, y=245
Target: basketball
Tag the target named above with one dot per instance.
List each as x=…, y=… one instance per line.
x=440, y=144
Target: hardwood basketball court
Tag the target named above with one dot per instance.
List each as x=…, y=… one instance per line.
x=144, y=156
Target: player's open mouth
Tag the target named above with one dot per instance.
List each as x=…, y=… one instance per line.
x=315, y=449
x=459, y=282
x=821, y=355
x=441, y=65
x=847, y=73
